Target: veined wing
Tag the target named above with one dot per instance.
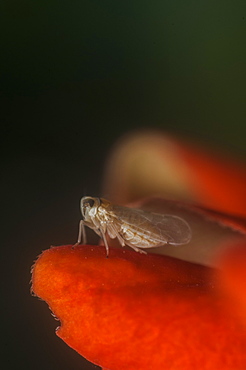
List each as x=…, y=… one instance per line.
x=162, y=228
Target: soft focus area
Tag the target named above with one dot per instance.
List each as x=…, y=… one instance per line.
x=79, y=82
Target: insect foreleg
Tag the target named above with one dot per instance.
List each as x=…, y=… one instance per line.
x=82, y=234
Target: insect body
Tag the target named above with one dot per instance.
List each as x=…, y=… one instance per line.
x=133, y=227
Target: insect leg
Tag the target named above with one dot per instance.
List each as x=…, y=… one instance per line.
x=82, y=234
x=137, y=249
x=105, y=241
x=123, y=243
x=118, y=236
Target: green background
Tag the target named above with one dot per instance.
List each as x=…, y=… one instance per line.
x=117, y=65
x=75, y=76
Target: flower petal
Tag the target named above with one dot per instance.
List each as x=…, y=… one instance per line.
x=153, y=163
x=233, y=276
x=133, y=311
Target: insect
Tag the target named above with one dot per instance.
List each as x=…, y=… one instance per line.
x=136, y=228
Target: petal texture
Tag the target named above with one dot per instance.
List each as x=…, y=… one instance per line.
x=134, y=311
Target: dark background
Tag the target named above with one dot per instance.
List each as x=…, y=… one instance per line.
x=75, y=76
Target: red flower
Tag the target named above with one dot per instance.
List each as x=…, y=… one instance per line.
x=134, y=311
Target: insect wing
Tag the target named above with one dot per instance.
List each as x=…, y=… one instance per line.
x=162, y=228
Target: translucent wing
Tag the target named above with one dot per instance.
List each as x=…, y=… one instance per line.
x=161, y=228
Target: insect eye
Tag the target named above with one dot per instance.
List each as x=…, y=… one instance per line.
x=90, y=203
x=87, y=204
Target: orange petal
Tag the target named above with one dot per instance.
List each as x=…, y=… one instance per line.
x=233, y=276
x=220, y=182
x=134, y=311
x=152, y=163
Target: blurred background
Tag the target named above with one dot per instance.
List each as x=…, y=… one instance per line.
x=75, y=76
